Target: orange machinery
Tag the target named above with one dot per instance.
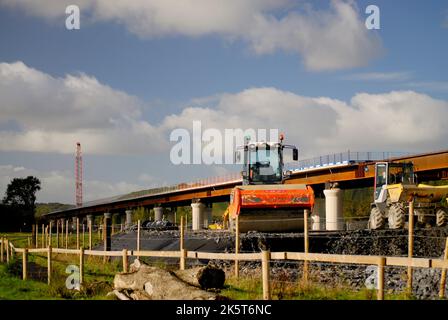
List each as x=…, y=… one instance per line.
x=264, y=203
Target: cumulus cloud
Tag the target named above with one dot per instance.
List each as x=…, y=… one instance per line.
x=60, y=185
x=326, y=39
x=54, y=113
x=394, y=121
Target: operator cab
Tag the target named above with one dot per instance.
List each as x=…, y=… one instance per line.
x=263, y=161
x=387, y=173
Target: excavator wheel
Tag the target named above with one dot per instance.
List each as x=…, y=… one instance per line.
x=441, y=217
x=376, y=220
x=396, y=217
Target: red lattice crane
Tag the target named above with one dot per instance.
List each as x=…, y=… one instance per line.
x=78, y=175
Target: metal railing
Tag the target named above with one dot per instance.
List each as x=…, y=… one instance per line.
x=343, y=158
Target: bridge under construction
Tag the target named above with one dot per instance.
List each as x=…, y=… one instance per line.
x=349, y=170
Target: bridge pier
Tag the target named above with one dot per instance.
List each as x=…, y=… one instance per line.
x=107, y=231
x=318, y=215
x=197, y=212
x=333, y=209
x=207, y=215
x=128, y=219
x=158, y=213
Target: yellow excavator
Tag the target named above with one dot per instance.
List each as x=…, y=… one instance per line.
x=394, y=187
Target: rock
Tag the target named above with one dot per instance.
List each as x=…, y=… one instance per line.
x=150, y=283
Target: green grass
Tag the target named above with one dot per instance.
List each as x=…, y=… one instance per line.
x=98, y=281
x=98, y=276
x=13, y=288
x=250, y=288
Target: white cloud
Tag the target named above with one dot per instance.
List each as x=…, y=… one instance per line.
x=379, y=76
x=394, y=121
x=369, y=122
x=327, y=39
x=60, y=186
x=55, y=113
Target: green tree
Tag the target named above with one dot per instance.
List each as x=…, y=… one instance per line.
x=21, y=197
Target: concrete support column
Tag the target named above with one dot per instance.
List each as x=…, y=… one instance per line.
x=333, y=209
x=107, y=231
x=158, y=213
x=207, y=215
x=128, y=219
x=89, y=219
x=318, y=215
x=74, y=223
x=197, y=212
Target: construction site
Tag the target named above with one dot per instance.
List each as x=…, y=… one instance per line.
x=268, y=207
x=223, y=151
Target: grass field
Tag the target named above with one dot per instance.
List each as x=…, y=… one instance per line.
x=98, y=281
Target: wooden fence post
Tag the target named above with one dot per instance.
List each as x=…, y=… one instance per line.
x=61, y=241
x=24, y=263
x=83, y=235
x=410, y=244
x=47, y=241
x=37, y=236
x=138, y=235
x=380, y=289
x=306, y=245
x=7, y=250
x=99, y=231
x=181, y=244
x=265, y=257
x=183, y=259
x=77, y=233
x=50, y=233
x=49, y=265
x=81, y=265
x=57, y=233
x=443, y=276
x=66, y=234
x=125, y=260
x=90, y=234
x=43, y=236
x=237, y=246
x=2, y=245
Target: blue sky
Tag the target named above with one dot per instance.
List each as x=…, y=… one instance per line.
x=169, y=63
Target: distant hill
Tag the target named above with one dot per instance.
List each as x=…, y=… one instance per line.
x=44, y=208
